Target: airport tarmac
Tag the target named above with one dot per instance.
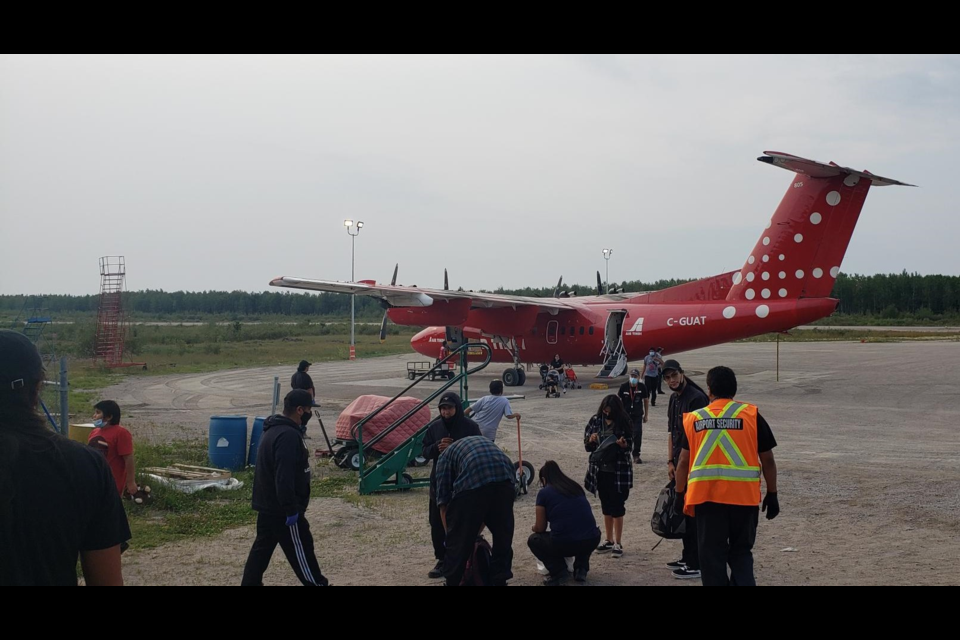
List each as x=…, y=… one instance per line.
x=868, y=458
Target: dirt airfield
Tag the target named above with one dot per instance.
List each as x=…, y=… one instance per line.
x=868, y=457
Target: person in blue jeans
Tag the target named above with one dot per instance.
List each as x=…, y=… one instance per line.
x=563, y=507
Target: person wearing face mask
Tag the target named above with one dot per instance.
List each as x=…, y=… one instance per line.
x=116, y=444
x=651, y=374
x=281, y=493
x=636, y=400
x=452, y=425
x=608, y=438
x=58, y=499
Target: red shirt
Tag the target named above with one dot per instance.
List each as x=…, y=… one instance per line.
x=114, y=442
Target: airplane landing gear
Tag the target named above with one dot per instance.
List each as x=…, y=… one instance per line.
x=514, y=377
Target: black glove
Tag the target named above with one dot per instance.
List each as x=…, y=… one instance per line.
x=771, y=506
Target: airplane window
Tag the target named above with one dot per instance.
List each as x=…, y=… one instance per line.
x=591, y=330
x=581, y=330
x=563, y=331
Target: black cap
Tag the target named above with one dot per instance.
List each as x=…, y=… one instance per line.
x=20, y=362
x=672, y=365
x=449, y=399
x=303, y=365
x=299, y=398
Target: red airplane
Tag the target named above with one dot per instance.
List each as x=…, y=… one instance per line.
x=785, y=282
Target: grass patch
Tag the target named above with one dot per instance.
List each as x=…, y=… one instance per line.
x=173, y=516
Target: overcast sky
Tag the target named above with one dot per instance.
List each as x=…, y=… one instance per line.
x=222, y=172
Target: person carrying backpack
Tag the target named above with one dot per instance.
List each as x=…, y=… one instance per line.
x=608, y=438
x=475, y=488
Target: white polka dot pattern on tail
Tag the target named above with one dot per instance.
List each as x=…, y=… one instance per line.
x=751, y=277
x=763, y=311
x=797, y=238
x=799, y=274
x=765, y=276
x=833, y=198
x=737, y=278
x=816, y=218
x=751, y=294
x=729, y=312
x=783, y=293
x=818, y=273
x=835, y=272
x=766, y=242
x=765, y=294
x=783, y=275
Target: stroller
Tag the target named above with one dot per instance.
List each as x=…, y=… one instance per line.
x=570, y=380
x=551, y=382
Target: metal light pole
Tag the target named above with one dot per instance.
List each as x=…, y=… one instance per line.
x=606, y=256
x=349, y=224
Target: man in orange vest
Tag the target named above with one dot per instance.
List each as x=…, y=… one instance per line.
x=733, y=446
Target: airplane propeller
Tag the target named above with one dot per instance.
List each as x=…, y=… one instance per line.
x=556, y=292
x=383, y=323
x=599, y=285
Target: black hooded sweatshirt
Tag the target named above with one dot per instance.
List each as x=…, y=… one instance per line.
x=281, y=483
x=457, y=427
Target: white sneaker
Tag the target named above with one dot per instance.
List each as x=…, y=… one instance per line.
x=617, y=551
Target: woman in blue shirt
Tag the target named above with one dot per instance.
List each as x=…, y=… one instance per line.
x=562, y=504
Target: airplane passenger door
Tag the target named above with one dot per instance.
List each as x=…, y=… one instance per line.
x=552, y=328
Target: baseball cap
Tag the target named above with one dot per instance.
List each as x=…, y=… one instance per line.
x=299, y=398
x=303, y=365
x=449, y=400
x=20, y=362
x=672, y=365
x=635, y=372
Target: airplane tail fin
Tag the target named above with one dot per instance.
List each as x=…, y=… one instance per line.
x=800, y=252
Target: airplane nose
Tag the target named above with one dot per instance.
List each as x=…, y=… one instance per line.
x=427, y=342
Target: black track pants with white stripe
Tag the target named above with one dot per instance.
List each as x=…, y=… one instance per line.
x=297, y=545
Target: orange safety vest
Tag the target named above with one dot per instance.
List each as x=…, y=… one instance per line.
x=724, y=463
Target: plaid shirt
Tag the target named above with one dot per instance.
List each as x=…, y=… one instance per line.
x=471, y=463
x=624, y=470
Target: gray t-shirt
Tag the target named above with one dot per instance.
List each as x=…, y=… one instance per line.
x=488, y=411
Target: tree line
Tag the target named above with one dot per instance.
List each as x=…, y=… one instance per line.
x=883, y=296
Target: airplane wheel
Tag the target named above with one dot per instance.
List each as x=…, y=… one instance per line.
x=510, y=377
x=405, y=480
x=523, y=377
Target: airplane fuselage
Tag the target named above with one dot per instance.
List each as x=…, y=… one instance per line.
x=578, y=336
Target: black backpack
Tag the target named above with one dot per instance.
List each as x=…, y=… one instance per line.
x=477, y=572
x=668, y=520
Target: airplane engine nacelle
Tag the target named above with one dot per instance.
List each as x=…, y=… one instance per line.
x=504, y=321
x=452, y=313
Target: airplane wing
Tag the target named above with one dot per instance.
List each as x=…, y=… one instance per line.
x=399, y=296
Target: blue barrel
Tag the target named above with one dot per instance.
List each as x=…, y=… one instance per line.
x=228, y=442
x=255, y=435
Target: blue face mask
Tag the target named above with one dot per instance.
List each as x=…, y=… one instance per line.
x=98, y=423
x=634, y=381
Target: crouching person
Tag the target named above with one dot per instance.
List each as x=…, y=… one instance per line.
x=475, y=487
x=562, y=504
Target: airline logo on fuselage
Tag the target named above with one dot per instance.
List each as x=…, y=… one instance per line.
x=636, y=329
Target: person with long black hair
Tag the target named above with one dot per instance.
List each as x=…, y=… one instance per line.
x=58, y=499
x=563, y=507
x=608, y=438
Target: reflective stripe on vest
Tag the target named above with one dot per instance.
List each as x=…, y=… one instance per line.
x=738, y=470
